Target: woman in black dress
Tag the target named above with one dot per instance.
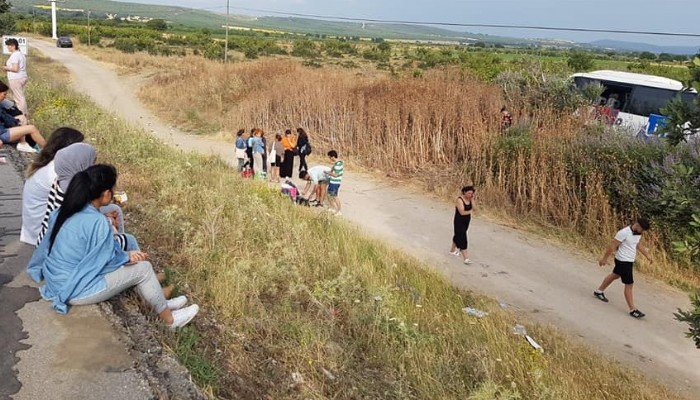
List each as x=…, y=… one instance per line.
x=302, y=149
x=464, y=207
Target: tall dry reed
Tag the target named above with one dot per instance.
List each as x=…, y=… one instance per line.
x=442, y=128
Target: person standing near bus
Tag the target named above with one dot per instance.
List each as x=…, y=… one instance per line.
x=625, y=246
x=16, y=68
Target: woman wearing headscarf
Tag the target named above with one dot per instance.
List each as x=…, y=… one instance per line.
x=95, y=269
x=68, y=162
x=40, y=176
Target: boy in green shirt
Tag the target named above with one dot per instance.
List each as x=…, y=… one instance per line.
x=336, y=177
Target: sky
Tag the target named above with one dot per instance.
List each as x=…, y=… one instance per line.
x=682, y=16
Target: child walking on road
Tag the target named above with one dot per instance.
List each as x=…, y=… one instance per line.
x=625, y=246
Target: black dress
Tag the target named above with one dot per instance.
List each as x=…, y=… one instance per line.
x=461, y=225
x=287, y=164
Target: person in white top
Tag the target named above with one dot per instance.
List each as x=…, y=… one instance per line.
x=16, y=67
x=316, y=181
x=625, y=246
x=40, y=177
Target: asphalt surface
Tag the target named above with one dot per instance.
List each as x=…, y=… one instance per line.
x=13, y=258
x=44, y=355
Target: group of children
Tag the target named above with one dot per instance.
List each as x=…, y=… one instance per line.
x=256, y=157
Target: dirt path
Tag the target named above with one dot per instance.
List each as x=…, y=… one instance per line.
x=538, y=279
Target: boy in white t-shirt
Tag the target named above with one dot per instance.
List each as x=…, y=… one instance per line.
x=625, y=246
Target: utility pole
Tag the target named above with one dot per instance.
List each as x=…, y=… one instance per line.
x=226, y=45
x=53, y=19
x=89, y=41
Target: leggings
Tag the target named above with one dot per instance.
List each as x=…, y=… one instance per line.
x=302, y=163
x=140, y=275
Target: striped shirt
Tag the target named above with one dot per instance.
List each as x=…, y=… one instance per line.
x=337, y=170
x=55, y=200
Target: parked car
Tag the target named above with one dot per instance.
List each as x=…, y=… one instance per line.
x=64, y=41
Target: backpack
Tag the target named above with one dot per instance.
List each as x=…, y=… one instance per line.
x=306, y=149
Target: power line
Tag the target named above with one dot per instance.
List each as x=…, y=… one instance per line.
x=466, y=25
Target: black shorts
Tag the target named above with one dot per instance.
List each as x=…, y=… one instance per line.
x=624, y=269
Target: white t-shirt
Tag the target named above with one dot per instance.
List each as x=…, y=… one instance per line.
x=627, y=251
x=318, y=173
x=34, y=198
x=17, y=58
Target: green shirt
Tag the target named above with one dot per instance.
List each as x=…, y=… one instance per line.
x=338, y=171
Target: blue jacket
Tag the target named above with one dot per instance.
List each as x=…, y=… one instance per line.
x=84, y=252
x=240, y=143
x=258, y=145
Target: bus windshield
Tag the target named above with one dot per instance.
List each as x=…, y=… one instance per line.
x=634, y=99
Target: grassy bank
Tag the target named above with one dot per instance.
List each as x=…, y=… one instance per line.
x=297, y=305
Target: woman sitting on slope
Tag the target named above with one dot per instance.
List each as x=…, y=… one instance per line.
x=81, y=263
x=68, y=162
x=41, y=174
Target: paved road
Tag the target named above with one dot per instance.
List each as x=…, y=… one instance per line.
x=540, y=280
x=44, y=355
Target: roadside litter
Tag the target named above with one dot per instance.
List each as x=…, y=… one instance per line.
x=521, y=331
x=475, y=312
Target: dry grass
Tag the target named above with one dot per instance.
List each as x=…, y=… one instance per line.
x=441, y=129
x=286, y=291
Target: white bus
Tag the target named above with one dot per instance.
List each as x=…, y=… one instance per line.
x=633, y=101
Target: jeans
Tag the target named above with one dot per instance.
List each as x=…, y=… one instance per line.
x=140, y=275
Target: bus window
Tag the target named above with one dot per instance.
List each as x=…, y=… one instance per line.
x=616, y=96
x=647, y=100
x=690, y=99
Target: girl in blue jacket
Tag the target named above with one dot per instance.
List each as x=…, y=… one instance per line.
x=81, y=263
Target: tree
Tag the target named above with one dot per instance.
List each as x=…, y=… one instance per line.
x=7, y=20
x=692, y=318
x=580, y=61
x=666, y=57
x=645, y=55
x=682, y=122
x=157, y=24
x=683, y=118
x=384, y=47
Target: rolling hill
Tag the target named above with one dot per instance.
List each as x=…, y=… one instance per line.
x=207, y=19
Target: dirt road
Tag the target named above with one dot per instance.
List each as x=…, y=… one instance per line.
x=538, y=279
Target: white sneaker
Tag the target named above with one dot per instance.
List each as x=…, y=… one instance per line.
x=183, y=316
x=467, y=261
x=177, y=303
x=26, y=148
x=455, y=253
